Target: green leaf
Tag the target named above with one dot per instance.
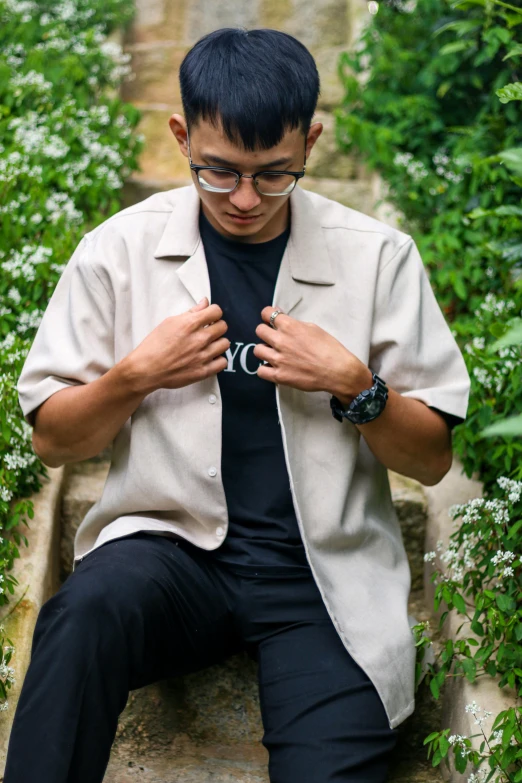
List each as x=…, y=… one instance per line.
x=505, y=602
x=470, y=668
x=460, y=27
x=512, y=337
x=497, y=329
x=444, y=746
x=511, y=92
x=505, y=428
x=507, y=209
x=460, y=288
x=513, y=530
x=515, y=52
x=513, y=159
x=457, y=46
x=458, y=603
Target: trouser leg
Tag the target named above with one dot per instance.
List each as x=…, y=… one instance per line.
x=134, y=611
x=324, y=721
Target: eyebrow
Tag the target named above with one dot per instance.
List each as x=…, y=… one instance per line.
x=228, y=164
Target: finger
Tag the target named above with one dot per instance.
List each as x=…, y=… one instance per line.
x=218, y=347
x=200, y=305
x=267, y=334
x=215, y=331
x=208, y=315
x=266, y=312
x=266, y=373
x=266, y=353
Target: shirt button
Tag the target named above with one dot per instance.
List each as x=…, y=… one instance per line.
x=212, y=471
x=220, y=531
x=212, y=399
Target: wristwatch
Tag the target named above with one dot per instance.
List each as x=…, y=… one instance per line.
x=369, y=404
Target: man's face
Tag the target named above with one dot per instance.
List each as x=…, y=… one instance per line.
x=244, y=214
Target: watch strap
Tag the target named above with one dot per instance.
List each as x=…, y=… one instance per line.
x=353, y=413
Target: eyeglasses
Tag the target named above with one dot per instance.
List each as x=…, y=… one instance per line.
x=218, y=179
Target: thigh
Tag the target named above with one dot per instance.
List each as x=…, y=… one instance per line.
x=160, y=602
x=324, y=722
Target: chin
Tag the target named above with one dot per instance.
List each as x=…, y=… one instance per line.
x=238, y=230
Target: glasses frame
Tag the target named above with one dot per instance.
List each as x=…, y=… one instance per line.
x=196, y=168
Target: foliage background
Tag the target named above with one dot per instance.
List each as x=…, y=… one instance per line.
x=66, y=145
x=432, y=102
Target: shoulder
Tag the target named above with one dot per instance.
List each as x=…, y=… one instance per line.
x=145, y=219
x=352, y=228
x=123, y=240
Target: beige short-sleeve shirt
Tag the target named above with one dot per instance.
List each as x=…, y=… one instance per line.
x=360, y=280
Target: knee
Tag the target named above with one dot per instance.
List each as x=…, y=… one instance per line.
x=87, y=605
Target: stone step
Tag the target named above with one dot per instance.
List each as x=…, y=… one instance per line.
x=206, y=726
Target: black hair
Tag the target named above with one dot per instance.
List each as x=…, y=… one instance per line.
x=255, y=84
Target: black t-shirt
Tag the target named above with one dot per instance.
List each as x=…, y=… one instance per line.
x=263, y=534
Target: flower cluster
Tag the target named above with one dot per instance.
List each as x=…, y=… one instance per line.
x=66, y=147
x=474, y=709
x=7, y=673
x=415, y=168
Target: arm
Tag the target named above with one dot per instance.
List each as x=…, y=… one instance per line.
x=407, y=436
x=414, y=352
x=76, y=423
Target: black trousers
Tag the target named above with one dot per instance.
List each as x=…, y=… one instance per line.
x=125, y=619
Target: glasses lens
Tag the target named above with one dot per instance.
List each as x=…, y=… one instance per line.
x=217, y=180
x=275, y=184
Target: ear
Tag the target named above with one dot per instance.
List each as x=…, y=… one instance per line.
x=178, y=126
x=313, y=134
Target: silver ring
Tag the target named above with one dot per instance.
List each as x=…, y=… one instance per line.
x=273, y=317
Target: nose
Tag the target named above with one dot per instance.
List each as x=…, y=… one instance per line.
x=245, y=197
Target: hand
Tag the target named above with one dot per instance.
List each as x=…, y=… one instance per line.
x=181, y=350
x=302, y=355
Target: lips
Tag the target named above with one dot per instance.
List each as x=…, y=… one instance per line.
x=243, y=218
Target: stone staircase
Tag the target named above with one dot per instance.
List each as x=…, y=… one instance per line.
x=206, y=727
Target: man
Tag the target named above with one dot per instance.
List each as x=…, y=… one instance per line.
x=258, y=356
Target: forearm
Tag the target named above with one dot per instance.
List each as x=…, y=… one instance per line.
x=78, y=422
x=411, y=439
x=407, y=436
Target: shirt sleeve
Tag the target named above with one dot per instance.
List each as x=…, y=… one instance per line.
x=412, y=346
x=74, y=343
x=450, y=420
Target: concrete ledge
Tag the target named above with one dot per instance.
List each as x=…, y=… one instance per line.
x=455, y=488
x=37, y=573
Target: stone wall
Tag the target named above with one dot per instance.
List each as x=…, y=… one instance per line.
x=164, y=30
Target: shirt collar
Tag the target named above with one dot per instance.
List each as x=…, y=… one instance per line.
x=307, y=251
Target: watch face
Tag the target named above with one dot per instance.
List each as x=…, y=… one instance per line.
x=373, y=407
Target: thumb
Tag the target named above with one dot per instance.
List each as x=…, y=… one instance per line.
x=200, y=305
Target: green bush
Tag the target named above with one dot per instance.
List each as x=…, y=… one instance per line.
x=477, y=576
x=421, y=107
x=432, y=103
x=66, y=145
